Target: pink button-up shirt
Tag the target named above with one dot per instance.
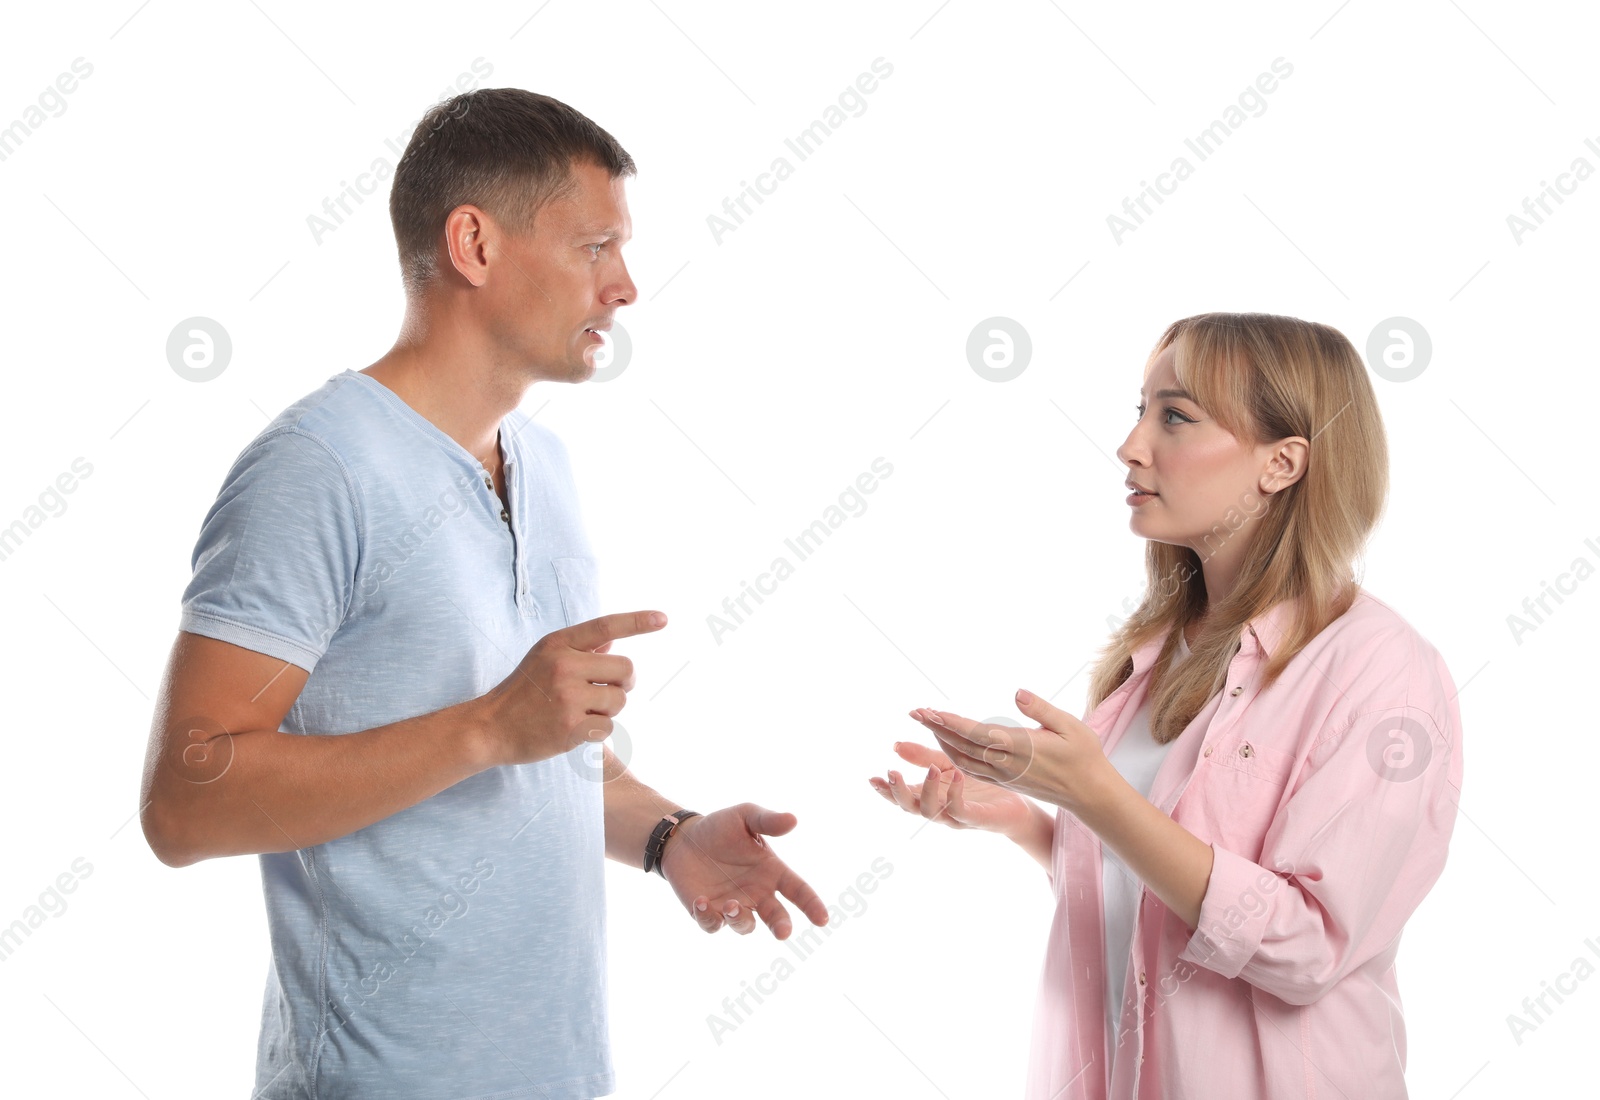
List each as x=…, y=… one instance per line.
x=1328, y=802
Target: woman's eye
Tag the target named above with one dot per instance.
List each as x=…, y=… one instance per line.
x=1169, y=411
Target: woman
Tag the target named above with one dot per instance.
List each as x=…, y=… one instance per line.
x=1265, y=785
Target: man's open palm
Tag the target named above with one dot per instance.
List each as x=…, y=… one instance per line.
x=724, y=872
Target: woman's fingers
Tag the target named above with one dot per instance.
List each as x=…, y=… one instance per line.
x=922, y=755
x=937, y=798
x=957, y=807
x=934, y=793
x=882, y=787
x=904, y=796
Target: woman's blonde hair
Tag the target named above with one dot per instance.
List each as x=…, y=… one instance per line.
x=1263, y=378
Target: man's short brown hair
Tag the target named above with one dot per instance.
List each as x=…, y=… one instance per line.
x=506, y=150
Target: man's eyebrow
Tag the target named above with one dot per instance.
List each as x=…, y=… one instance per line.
x=607, y=231
x=1183, y=395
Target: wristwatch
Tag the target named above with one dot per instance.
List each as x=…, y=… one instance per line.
x=658, y=838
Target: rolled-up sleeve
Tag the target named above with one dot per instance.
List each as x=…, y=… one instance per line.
x=1349, y=857
x=276, y=560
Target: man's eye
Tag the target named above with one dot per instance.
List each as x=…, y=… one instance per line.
x=597, y=248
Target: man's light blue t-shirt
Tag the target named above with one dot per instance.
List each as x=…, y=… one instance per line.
x=457, y=948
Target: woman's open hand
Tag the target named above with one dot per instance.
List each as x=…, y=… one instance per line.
x=947, y=796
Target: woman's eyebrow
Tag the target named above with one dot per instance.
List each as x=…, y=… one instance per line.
x=1182, y=394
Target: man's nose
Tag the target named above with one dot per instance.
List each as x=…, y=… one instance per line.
x=625, y=292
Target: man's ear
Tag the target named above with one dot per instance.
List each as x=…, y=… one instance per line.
x=467, y=238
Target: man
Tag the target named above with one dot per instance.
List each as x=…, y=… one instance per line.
x=398, y=559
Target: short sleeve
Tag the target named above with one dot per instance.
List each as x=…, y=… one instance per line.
x=275, y=564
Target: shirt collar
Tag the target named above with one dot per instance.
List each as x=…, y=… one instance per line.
x=1260, y=634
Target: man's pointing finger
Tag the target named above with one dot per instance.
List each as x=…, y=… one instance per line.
x=594, y=633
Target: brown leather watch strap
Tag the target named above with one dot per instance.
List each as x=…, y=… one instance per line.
x=658, y=838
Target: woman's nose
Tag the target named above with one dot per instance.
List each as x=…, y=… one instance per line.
x=1131, y=450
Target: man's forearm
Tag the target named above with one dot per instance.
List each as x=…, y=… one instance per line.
x=632, y=811
x=268, y=791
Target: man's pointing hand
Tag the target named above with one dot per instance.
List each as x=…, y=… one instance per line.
x=564, y=692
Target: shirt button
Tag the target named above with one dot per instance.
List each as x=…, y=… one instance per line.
x=1141, y=977
x=488, y=484
x=1238, y=689
x=1208, y=750
x=505, y=515
x=1245, y=749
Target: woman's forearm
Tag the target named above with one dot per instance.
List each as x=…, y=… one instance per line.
x=1037, y=834
x=1168, y=858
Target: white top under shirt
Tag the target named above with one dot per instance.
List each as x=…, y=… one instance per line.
x=1137, y=757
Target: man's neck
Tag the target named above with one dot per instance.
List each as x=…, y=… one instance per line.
x=459, y=401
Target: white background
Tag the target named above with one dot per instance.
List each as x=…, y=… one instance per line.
x=768, y=371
